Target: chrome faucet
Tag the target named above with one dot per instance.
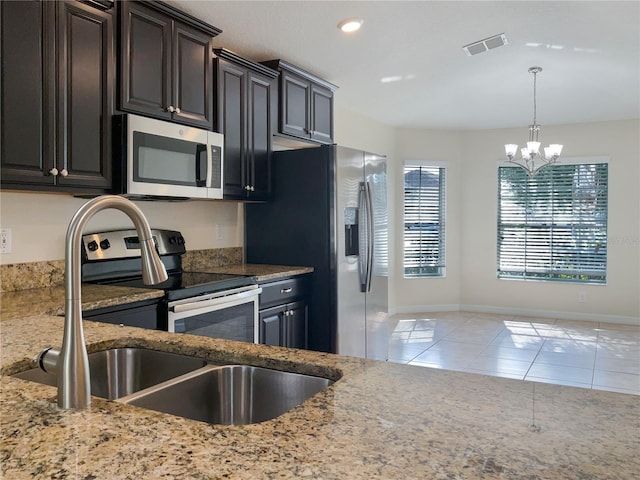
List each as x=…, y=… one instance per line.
x=71, y=362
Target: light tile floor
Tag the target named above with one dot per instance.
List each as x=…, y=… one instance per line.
x=602, y=356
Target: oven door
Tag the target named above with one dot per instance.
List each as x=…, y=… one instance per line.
x=231, y=315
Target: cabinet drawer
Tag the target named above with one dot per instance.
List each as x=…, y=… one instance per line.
x=283, y=291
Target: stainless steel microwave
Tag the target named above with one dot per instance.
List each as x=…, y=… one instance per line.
x=166, y=160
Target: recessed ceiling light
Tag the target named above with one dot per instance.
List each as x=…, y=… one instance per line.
x=350, y=24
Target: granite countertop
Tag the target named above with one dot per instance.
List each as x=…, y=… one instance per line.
x=263, y=272
x=50, y=300
x=379, y=420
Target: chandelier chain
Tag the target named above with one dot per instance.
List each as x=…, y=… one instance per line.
x=535, y=113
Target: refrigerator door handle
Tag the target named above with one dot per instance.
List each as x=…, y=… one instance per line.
x=363, y=240
x=370, y=236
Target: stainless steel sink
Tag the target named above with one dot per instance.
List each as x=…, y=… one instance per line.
x=120, y=372
x=230, y=394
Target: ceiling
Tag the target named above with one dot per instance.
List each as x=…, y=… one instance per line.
x=589, y=51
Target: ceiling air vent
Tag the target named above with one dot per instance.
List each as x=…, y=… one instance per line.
x=485, y=44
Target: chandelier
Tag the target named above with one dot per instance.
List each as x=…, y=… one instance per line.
x=532, y=159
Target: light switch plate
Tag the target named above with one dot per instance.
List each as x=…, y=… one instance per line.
x=5, y=240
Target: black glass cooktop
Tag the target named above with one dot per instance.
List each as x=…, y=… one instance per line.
x=181, y=285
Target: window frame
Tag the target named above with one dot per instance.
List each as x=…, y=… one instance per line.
x=555, y=274
x=442, y=215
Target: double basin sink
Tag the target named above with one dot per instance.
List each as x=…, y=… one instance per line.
x=190, y=387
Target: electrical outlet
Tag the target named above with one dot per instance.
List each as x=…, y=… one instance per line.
x=582, y=297
x=5, y=240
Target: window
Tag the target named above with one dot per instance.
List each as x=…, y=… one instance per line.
x=553, y=226
x=424, y=220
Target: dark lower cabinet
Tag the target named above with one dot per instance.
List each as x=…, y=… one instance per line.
x=166, y=64
x=246, y=101
x=284, y=325
x=57, y=96
x=284, y=313
x=306, y=103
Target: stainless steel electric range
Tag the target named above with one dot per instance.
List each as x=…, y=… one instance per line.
x=201, y=303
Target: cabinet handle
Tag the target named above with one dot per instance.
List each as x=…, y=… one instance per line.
x=64, y=172
x=286, y=290
x=54, y=171
x=171, y=109
x=177, y=110
x=247, y=187
x=252, y=188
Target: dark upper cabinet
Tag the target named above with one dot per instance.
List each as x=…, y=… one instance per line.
x=57, y=96
x=85, y=95
x=166, y=64
x=306, y=103
x=246, y=101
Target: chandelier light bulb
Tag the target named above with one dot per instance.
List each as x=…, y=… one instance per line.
x=510, y=149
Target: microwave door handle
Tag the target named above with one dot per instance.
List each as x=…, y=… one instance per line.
x=200, y=149
x=209, y=165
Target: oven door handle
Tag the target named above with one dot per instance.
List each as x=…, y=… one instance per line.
x=212, y=302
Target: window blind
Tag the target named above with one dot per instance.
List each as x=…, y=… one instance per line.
x=553, y=226
x=424, y=221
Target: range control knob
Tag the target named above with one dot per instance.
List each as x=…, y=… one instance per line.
x=92, y=246
x=180, y=240
x=104, y=244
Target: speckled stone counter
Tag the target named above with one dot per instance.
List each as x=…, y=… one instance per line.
x=264, y=273
x=379, y=420
x=51, y=300
x=229, y=260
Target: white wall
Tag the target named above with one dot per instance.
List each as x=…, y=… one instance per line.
x=421, y=294
x=39, y=223
x=480, y=287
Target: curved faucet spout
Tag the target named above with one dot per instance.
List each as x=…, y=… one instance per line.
x=74, y=388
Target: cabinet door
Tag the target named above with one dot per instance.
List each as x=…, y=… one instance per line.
x=271, y=325
x=231, y=121
x=85, y=50
x=294, y=105
x=26, y=95
x=259, y=94
x=145, y=61
x=295, y=325
x=192, y=76
x=321, y=114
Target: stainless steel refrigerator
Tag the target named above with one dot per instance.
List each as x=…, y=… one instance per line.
x=329, y=211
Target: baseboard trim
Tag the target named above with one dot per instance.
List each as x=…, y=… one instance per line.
x=525, y=312
x=425, y=308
